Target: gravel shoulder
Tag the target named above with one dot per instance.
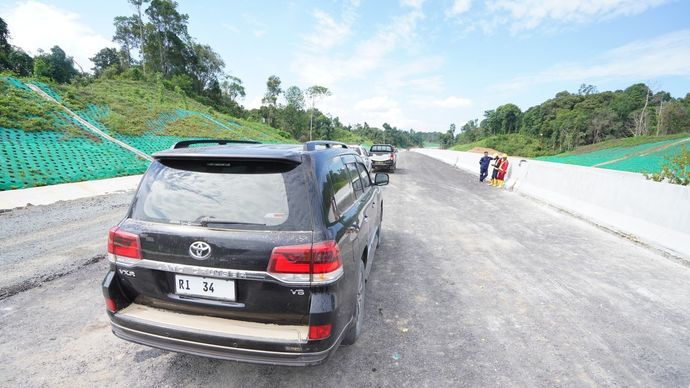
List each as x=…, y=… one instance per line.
x=473, y=286
x=40, y=243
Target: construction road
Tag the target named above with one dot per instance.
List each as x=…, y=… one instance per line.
x=472, y=286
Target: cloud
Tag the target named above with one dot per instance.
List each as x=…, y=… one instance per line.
x=459, y=7
x=329, y=32
x=34, y=25
x=450, y=102
x=663, y=56
x=320, y=68
x=376, y=103
x=417, y=4
x=530, y=14
x=257, y=27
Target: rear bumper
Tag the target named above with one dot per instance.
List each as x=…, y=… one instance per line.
x=220, y=351
x=383, y=164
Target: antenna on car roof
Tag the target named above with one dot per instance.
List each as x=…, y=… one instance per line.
x=187, y=143
x=313, y=145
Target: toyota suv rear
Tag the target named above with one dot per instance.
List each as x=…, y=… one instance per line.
x=247, y=252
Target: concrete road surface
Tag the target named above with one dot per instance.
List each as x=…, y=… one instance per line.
x=473, y=286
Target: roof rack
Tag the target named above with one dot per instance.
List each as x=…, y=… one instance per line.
x=187, y=143
x=311, y=145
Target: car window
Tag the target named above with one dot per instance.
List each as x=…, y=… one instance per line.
x=241, y=193
x=354, y=178
x=342, y=188
x=364, y=175
x=381, y=148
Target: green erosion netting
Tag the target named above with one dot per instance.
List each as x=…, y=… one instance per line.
x=47, y=157
x=48, y=90
x=648, y=163
x=52, y=156
x=640, y=158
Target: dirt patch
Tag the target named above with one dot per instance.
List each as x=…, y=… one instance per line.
x=481, y=150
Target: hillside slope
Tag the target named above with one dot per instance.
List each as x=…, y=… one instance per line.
x=41, y=144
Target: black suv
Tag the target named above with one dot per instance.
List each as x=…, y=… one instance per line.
x=246, y=251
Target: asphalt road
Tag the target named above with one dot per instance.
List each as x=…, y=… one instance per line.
x=473, y=286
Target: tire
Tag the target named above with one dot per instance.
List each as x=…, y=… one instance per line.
x=355, y=329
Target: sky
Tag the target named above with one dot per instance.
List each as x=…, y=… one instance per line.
x=414, y=64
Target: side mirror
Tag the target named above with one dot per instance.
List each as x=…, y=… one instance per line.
x=381, y=179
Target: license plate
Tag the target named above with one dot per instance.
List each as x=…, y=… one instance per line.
x=222, y=289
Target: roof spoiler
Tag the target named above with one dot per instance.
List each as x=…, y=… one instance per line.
x=187, y=143
x=312, y=145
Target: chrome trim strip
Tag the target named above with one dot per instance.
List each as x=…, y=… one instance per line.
x=223, y=273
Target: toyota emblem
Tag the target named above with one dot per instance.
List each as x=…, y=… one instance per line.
x=199, y=250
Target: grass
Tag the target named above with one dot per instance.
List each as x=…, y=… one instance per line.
x=23, y=109
x=132, y=108
x=135, y=108
x=512, y=144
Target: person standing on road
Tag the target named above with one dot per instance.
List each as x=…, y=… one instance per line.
x=502, y=170
x=497, y=161
x=484, y=166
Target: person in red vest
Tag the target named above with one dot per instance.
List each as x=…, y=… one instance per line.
x=502, y=170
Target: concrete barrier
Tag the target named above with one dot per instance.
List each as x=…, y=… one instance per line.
x=652, y=212
x=46, y=195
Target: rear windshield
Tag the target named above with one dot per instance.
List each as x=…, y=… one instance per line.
x=381, y=148
x=224, y=194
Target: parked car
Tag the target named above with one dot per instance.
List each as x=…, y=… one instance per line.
x=246, y=251
x=361, y=151
x=383, y=157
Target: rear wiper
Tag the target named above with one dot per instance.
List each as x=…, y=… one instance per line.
x=208, y=220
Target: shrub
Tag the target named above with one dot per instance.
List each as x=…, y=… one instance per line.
x=676, y=170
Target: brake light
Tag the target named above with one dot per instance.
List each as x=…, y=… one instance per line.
x=320, y=332
x=110, y=305
x=123, y=246
x=318, y=262
x=392, y=156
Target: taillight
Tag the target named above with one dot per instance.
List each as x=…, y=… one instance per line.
x=392, y=156
x=123, y=246
x=110, y=305
x=318, y=263
x=320, y=332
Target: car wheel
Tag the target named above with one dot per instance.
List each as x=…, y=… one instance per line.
x=355, y=329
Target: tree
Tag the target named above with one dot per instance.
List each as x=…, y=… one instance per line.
x=232, y=88
x=20, y=62
x=205, y=66
x=271, y=97
x=586, y=90
x=5, y=48
x=294, y=97
x=138, y=4
x=4, y=35
x=125, y=36
x=56, y=65
x=314, y=93
x=674, y=118
x=168, y=37
x=107, y=57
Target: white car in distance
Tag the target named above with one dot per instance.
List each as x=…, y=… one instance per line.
x=363, y=153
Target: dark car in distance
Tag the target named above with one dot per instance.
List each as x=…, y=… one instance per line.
x=246, y=251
